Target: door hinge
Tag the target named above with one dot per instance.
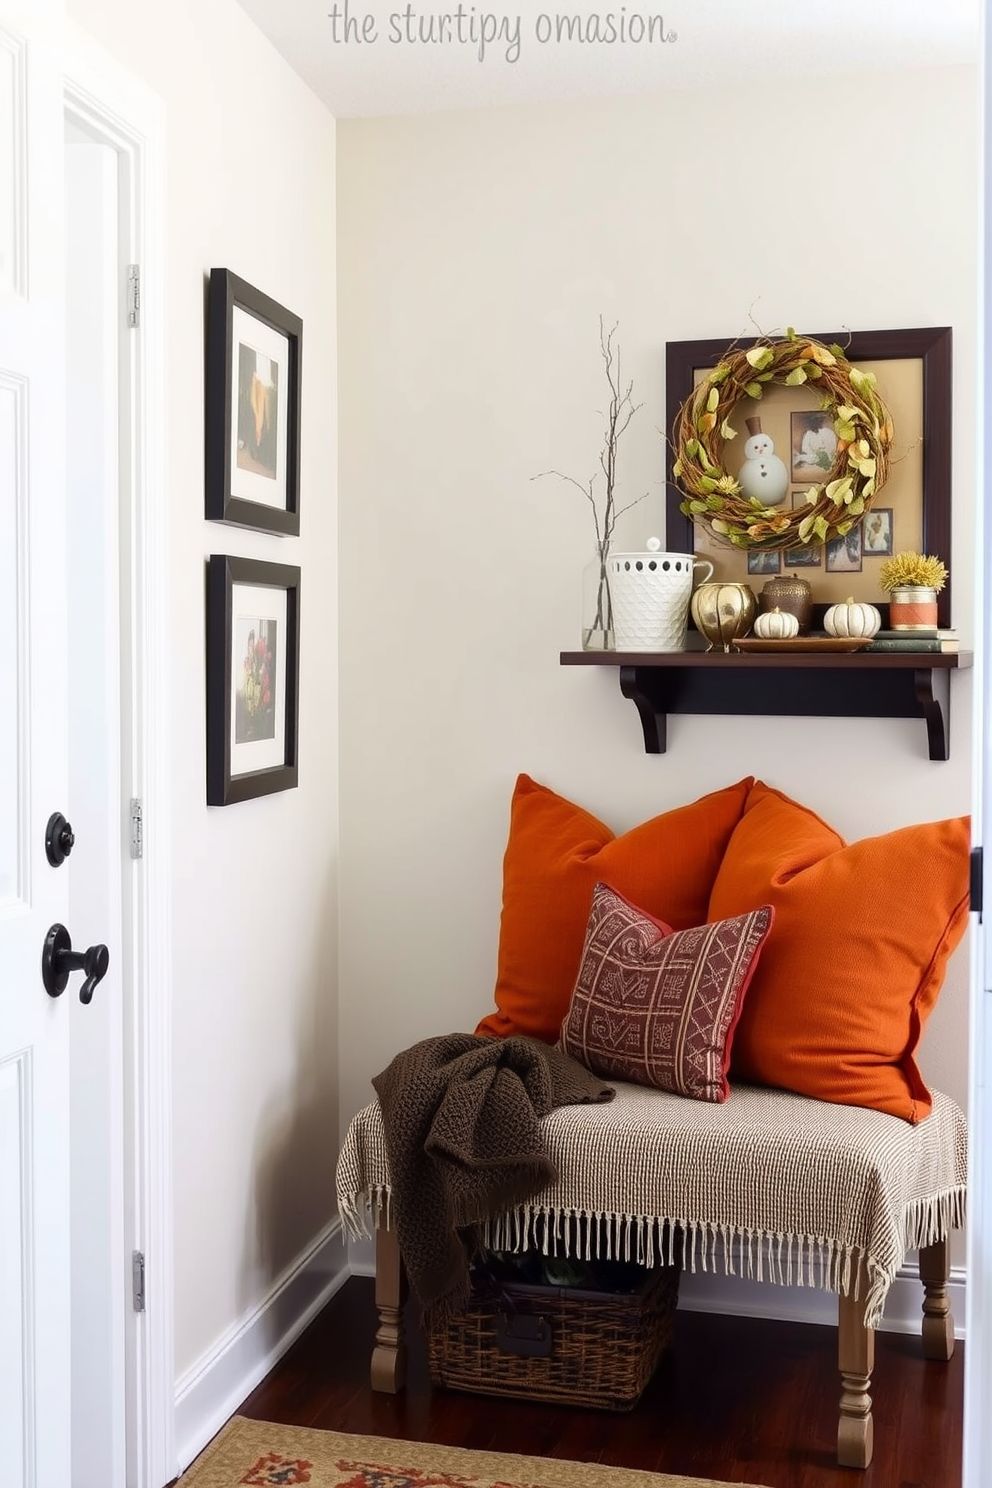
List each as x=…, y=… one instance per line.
x=137, y=829
x=976, y=881
x=134, y=295
x=138, y=1281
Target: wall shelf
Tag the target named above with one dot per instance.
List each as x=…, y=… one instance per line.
x=802, y=684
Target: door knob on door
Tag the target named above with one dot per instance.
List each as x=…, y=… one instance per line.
x=58, y=959
x=59, y=839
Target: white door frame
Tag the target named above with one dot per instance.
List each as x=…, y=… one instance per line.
x=978, y=1357
x=114, y=108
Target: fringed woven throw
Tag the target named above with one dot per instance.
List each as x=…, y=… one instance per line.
x=797, y=1189
x=461, y=1117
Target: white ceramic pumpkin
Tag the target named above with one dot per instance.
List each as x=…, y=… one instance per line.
x=851, y=619
x=776, y=625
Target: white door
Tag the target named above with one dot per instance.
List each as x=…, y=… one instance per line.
x=34, y=1027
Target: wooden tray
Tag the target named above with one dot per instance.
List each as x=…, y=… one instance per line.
x=804, y=643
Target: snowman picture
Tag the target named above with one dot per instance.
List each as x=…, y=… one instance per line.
x=763, y=476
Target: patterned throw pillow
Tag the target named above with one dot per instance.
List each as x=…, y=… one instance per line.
x=656, y=1007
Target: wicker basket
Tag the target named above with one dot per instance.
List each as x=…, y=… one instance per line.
x=558, y=1344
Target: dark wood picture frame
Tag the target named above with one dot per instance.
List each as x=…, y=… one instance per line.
x=229, y=488
x=229, y=780
x=931, y=345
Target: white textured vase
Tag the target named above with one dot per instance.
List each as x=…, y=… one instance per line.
x=650, y=593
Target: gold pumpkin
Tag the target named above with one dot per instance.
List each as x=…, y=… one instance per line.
x=851, y=619
x=776, y=625
x=723, y=612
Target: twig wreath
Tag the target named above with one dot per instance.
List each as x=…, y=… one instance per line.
x=861, y=422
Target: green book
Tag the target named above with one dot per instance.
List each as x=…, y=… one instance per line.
x=919, y=644
x=907, y=635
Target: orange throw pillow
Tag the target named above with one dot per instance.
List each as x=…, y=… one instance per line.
x=856, y=959
x=556, y=854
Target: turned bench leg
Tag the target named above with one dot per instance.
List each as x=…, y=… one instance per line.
x=856, y=1357
x=938, y=1323
x=389, y=1354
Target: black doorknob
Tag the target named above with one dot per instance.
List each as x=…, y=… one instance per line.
x=59, y=839
x=58, y=959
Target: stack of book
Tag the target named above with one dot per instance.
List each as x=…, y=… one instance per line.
x=913, y=640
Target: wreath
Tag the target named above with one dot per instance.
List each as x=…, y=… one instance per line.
x=860, y=420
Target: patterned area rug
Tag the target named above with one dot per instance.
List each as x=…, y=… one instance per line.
x=257, y=1454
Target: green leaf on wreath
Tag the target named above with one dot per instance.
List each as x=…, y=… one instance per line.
x=837, y=490
x=727, y=431
x=759, y=357
x=796, y=377
x=754, y=389
x=713, y=400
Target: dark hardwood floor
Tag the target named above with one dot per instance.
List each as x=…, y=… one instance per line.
x=739, y=1400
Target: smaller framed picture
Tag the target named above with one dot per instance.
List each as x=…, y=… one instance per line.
x=252, y=435
x=253, y=669
x=844, y=553
x=814, y=445
x=759, y=562
x=810, y=556
x=876, y=533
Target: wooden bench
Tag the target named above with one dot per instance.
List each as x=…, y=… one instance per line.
x=779, y=1187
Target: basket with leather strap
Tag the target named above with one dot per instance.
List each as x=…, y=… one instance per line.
x=563, y=1345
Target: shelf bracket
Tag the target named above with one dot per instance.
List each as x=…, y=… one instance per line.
x=933, y=693
x=654, y=720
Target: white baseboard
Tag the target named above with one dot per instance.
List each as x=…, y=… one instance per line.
x=709, y=1291
x=734, y=1296
x=210, y=1392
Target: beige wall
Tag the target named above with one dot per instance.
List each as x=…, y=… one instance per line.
x=250, y=164
x=476, y=254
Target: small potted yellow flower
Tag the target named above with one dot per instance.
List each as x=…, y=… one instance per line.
x=912, y=582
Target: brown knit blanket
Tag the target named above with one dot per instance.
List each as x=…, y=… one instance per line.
x=462, y=1124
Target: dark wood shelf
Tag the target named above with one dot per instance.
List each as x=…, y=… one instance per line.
x=890, y=684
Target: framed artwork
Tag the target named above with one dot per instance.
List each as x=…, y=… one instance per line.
x=253, y=670
x=252, y=435
x=913, y=370
x=814, y=444
x=843, y=554
x=810, y=556
x=877, y=529
x=764, y=563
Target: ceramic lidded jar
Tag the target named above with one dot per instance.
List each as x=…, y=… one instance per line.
x=792, y=595
x=723, y=612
